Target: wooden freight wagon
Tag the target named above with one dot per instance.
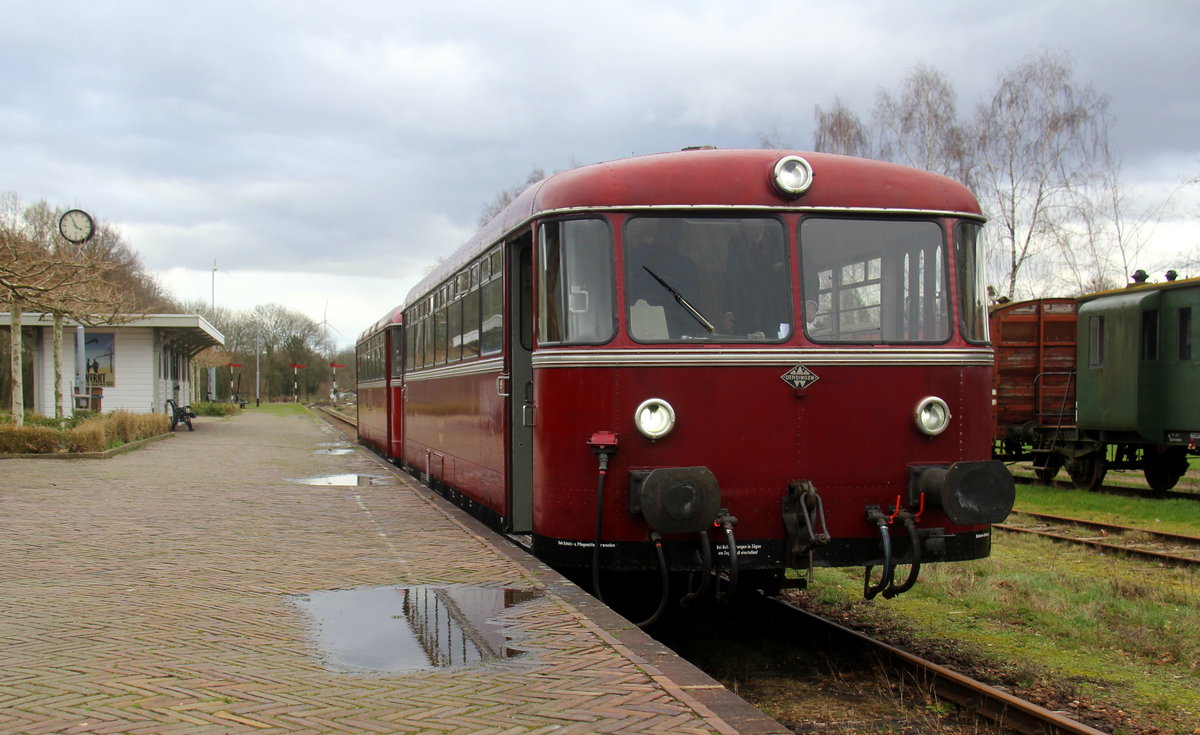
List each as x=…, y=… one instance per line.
x=1034, y=389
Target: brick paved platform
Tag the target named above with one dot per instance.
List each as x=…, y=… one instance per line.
x=158, y=592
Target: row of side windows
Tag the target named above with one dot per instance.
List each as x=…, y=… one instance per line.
x=1149, y=342
x=372, y=362
x=462, y=319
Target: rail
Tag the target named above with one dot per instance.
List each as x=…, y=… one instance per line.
x=985, y=700
x=1181, y=540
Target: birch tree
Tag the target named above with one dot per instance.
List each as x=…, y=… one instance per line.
x=1038, y=137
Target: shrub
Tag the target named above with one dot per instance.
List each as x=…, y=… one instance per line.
x=90, y=436
x=29, y=439
x=208, y=408
x=129, y=427
x=83, y=433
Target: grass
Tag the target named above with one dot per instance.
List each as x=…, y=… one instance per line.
x=1179, y=515
x=1120, y=631
x=281, y=409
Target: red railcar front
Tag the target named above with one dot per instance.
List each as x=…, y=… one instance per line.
x=750, y=360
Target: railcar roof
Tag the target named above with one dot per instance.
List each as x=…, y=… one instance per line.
x=1135, y=287
x=707, y=179
x=393, y=317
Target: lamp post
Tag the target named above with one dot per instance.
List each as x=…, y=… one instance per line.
x=212, y=371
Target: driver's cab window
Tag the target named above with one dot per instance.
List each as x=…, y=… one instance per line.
x=707, y=278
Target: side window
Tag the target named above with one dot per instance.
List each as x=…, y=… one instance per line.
x=1096, y=341
x=575, y=282
x=397, y=351
x=492, y=306
x=972, y=291
x=470, y=324
x=1184, y=335
x=1150, y=335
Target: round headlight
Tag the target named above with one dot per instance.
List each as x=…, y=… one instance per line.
x=932, y=415
x=793, y=175
x=654, y=418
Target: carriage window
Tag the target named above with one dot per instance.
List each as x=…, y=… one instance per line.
x=492, y=307
x=410, y=341
x=1096, y=341
x=470, y=325
x=1149, y=335
x=972, y=289
x=874, y=281
x=454, y=331
x=714, y=278
x=397, y=352
x=575, y=283
x=1184, y=339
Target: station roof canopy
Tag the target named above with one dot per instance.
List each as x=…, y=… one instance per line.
x=187, y=333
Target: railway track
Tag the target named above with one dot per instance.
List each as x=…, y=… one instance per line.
x=770, y=649
x=1008, y=712
x=1168, y=548
x=997, y=706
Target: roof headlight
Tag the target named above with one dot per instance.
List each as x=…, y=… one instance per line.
x=654, y=418
x=793, y=175
x=932, y=415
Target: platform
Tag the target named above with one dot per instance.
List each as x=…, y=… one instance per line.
x=261, y=574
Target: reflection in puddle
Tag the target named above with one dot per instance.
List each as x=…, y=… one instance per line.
x=345, y=450
x=409, y=629
x=345, y=481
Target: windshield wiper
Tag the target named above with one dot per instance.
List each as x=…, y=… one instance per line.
x=683, y=302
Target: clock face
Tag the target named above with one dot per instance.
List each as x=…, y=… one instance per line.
x=76, y=225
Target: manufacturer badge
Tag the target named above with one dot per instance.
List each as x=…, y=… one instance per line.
x=799, y=377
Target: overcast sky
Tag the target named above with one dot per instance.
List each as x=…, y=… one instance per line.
x=323, y=154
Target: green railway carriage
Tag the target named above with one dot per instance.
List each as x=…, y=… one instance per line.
x=1138, y=378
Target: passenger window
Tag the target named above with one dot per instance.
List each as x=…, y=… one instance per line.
x=1096, y=341
x=1150, y=335
x=492, y=324
x=1184, y=339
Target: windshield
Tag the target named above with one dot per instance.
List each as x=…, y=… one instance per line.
x=715, y=278
x=874, y=281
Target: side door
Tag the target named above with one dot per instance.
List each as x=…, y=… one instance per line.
x=521, y=414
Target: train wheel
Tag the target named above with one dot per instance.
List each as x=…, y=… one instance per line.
x=1049, y=471
x=1164, y=467
x=1087, y=472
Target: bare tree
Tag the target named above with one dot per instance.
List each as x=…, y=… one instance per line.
x=1038, y=137
x=919, y=127
x=840, y=131
x=40, y=270
x=506, y=197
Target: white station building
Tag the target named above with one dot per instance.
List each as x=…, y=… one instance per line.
x=134, y=365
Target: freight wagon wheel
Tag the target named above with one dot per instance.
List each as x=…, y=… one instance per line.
x=1087, y=472
x=1049, y=471
x=1164, y=468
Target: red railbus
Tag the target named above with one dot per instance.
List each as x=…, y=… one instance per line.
x=378, y=366
x=712, y=366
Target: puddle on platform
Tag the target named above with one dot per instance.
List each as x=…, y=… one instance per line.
x=345, y=481
x=399, y=630
x=336, y=451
